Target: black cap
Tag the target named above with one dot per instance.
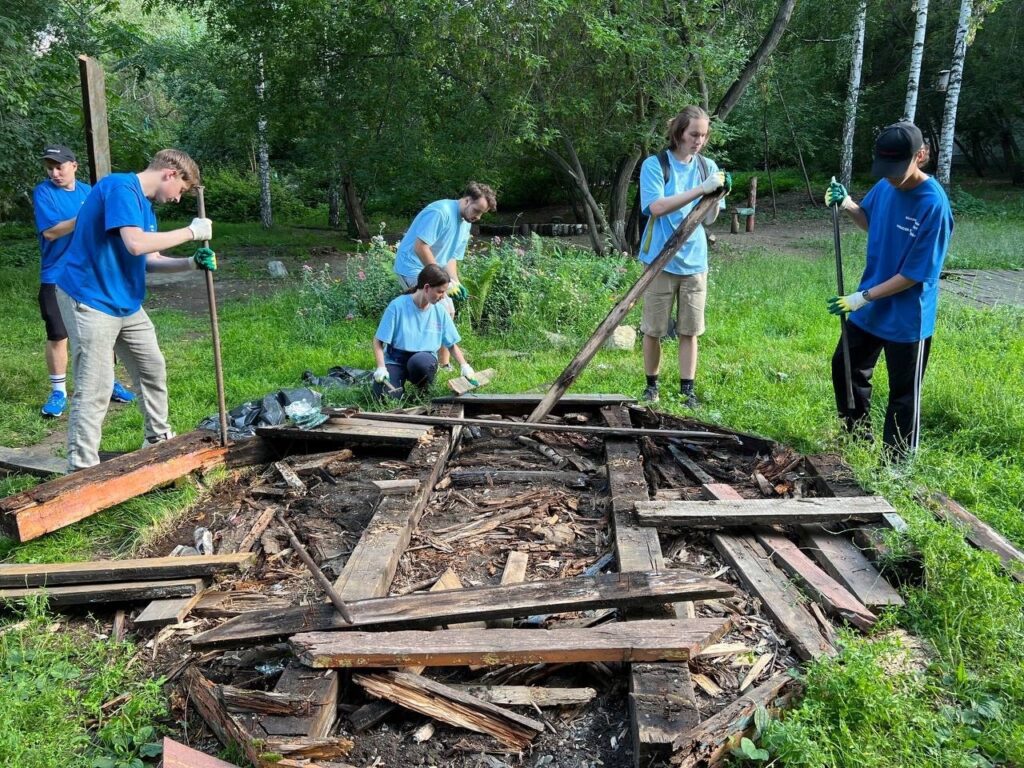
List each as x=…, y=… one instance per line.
x=895, y=147
x=59, y=154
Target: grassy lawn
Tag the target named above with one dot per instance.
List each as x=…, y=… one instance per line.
x=763, y=368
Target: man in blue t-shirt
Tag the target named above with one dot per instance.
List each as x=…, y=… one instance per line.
x=56, y=202
x=909, y=225
x=100, y=287
x=439, y=235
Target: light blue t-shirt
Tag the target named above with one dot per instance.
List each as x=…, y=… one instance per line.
x=692, y=258
x=53, y=205
x=440, y=226
x=406, y=327
x=97, y=268
x=908, y=234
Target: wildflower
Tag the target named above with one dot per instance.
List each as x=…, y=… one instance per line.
x=306, y=268
x=520, y=252
x=350, y=316
x=496, y=240
x=361, y=275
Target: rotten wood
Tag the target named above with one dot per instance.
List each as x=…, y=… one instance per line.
x=100, y=571
x=92, y=594
x=460, y=385
x=352, y=431
x=530, y=695
x=203, y=694
x=66, y=500
x=980, y=534
x=318, y=576
x=746, y=512
x=291, y=479
x=160, y=613
x=653, y=640
x=262, y=702
x=397, y=487
x=318, y=690
x=662, y=706
x=513, y=573
x=258, y=528
x=845, y=563
x=546, y=451
x=452, y=706
x=313, y=462
x=471, y=477
x=472, y=604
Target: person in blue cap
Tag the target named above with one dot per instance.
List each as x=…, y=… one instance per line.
x=439, y=235
x=56, y=202
x=909, y=223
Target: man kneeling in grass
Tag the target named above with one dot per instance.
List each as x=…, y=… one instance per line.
x=413, y=328
x=100, y=288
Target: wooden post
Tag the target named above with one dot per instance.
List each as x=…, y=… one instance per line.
x=752, y=204
x=734, y=227
x=94, y=112
x=619, y=311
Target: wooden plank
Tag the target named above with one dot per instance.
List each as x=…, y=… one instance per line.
x=290, y=477
x=844, y=562
x=160, y=613
x=176, y=755
x=662, y=706
x=319, y=689
x=690, y=466
x=92, y=594
x=709, y=742
x=979, y=533
x=746, y=512
x=66, y=500
x=618, y=313
x=698, y=435
x=514, y=573
x=524, y=403
x=818, y=584
x=779, y=598
x=100, y=571
x=397, y=487
x=263, y=521
x=653, y=640
x=94, y=112
x=351, y=431
x=30, y=463
x=452, y=706
x=469, y=477
x=530, y=695
x=460, y=385
x=422, y=610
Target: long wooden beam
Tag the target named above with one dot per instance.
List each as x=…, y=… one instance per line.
x=472, y=604
x=88, y=594
x=979, y=533
x=532, y=426
x=71, y=498
x=732, y=513
x=100, y=571
x=655, y=640
x=619, y=311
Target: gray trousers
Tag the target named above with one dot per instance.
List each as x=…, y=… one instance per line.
x=95, y=337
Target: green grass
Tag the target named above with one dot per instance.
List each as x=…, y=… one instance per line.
x=764, y=368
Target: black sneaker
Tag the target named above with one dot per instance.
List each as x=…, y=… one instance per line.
x=689, y=399
x=650, y=394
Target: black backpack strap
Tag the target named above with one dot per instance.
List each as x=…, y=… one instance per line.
x=663, y=160
x=702, y=168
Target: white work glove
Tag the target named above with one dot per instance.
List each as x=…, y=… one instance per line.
x=380, y=375
x=842, y=305
x=202, y=229
x=467, y=370
x=713, y=182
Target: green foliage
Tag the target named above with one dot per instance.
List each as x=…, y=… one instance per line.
x=234, y=196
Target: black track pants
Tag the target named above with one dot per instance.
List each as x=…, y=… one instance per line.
x=905, y=363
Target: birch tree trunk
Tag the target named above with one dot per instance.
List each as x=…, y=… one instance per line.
x=263, y=146
x=956, y=75
x=853, y=93
x=916, y=57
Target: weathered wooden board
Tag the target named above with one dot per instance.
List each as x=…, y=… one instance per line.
x=319, y=688
x=530, y=695
x=177, y=755
x=662, y=706
x=654, y=640
x=818, y=584
x=100, y=571
x=980, y=534
x=66, y=500
x=517, y=404
x=845, y=563
x=780, y=599
x=160, y=613
x=350, y=431
x=460, y=385
x=513, y=573
x=91, y=594
x=471, y=477
x=31, y=463
x=472, y=604
x=397, y=487
x=746, y=512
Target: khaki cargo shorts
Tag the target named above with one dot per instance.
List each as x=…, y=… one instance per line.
x=691, y=292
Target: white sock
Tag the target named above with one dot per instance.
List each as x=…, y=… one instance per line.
x=59, y=384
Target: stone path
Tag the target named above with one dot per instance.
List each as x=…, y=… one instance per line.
x=985, y=288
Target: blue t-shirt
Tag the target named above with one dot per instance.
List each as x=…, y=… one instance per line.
x=440, y=226
x=97, y=269
x=406, y=327
x=692, y=258
x=908, y=234
x=53, y=205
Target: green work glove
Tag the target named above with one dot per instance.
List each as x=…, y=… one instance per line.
x=728, y=183
x=843, y=305
x=836, y=194
x=457, y=291
x=205, y=259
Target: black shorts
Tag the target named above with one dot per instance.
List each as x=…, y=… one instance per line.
x=48, y=308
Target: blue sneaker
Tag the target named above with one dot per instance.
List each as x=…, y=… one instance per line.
x=55, y=406
x=121, y=395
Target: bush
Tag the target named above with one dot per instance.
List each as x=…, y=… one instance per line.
x=235, y=196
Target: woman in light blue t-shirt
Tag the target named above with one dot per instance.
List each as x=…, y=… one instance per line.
x=413, y=328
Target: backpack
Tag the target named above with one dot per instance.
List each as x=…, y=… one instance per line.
x=702, y=172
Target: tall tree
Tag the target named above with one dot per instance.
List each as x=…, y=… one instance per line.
x=853, y=93
x=956, y=73
x=916, y=57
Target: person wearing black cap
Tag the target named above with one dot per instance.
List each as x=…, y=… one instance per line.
x=56, y=202
x=909, y=224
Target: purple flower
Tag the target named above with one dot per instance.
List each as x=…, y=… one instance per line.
x=361, y=275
